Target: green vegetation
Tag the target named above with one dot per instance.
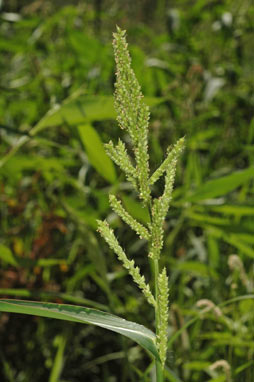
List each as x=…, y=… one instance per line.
x=194, y=63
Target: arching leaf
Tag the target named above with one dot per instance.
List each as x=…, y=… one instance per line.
x=138, y=333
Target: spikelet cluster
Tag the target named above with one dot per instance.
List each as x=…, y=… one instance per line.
x=121, y=158
x=162, y=336
x=161, y=205
x=136, y=226
x=132, y=112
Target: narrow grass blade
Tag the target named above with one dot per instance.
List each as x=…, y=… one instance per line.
x=132, y=330
x=221, y=186
x=60, y=343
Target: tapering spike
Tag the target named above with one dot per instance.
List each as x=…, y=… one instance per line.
x=108, y=235
x=133, y=223
x=162, y=337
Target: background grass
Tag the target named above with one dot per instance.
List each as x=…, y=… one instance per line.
x=194, y=60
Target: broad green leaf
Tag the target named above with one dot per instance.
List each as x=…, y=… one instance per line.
x=75, y=110
x=221, y=186
x=138, y=333
x=96, y=152
x=7, y=256
x=82, y=109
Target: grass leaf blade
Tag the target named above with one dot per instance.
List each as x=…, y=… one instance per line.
x=132, y=330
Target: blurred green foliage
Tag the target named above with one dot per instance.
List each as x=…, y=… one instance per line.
x=194, y=60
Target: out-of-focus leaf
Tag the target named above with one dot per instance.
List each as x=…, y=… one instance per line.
x=135, y=209
x=204, y=218
x=197, y=365
x=233, y=239
x=200, y=139
x=221, y=186
x=20, y=163
x=138, y=333
x=221, y=378
x=212, y=87
x=60, y=343
x=76, y=110
x=7, y=256
x=84, y=108
x=96, y=152
x=234, y=209
x=226, y=338
x=197, y=268
x=70, y=298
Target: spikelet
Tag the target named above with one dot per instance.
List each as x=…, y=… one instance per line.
x=108, y=235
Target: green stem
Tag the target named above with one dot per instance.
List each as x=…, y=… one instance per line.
x=159, y=369
x=159, y=372
x=156, y=271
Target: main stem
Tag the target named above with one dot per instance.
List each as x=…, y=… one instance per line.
x=159, y=369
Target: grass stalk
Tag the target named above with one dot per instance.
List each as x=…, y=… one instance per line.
x=158, y=365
